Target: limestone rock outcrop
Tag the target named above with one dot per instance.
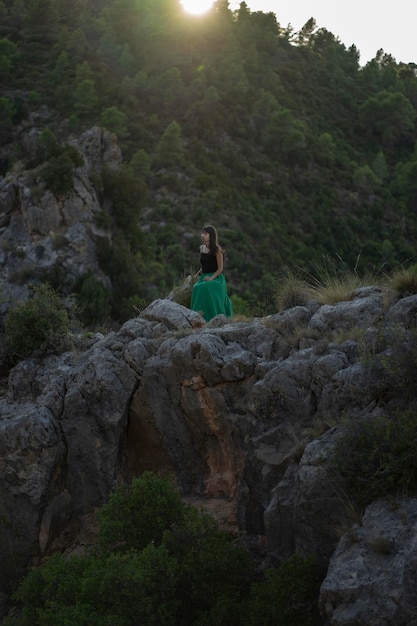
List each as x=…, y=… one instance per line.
x=230, y=408
x=41, y=232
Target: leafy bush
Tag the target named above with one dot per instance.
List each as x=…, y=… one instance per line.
x=115, y=121
x=287, y=596
x=161, y=562
x=127, y=193
x=124, y=268
x=116, y=590
x=7, y=111
x=47, y=145
x=94, y=299
x=39, y=324
x=240, y=306
x=138, y=514
x=211, y=567
x=377, y=456
x=58, y=172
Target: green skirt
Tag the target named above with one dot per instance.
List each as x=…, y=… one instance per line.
x=209, y=297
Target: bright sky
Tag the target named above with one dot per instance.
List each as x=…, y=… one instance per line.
x=369, y=24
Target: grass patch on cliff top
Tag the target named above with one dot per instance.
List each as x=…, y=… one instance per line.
x=329, y=283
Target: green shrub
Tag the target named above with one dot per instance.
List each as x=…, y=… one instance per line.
x=116, y=590
x=58, y=172
x=160, y=562
x=211, y=567
x=125, y=270
x=93, y=298
x=240, y=306
x=287, y=596
x=127, y=193
x=47, y=145
x=139, y=513
x=7, y=112
x=376, y=457
x=39, y=324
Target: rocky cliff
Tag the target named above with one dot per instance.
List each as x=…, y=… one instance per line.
x=41, y=232
x=245, y=414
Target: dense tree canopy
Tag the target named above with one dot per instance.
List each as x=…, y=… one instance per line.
x=281, y=139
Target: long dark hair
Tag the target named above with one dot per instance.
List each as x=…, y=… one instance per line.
x=213, y=241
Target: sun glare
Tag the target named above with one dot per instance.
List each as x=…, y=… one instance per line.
x=196, y=7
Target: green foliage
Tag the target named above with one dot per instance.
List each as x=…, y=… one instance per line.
x=375, y=457
x=127, y=194
x=211, y=567
x=116, y=590
x=140, y=163
x=240, y=306
x=139, y=513
x=125, y=270
x=115, y=121
x=59, y=162
x=7, y=112
x=283, y=141
x=122, y=259
x=85, y=97
x=8, y=56
x=39, y=324
x=161, y=562
x=287, y=596
x=47, y=145
x=93, y=299
x=170, y=149
x=388, y=117
x=58, y=174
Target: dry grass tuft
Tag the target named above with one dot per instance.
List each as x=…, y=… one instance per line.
x=381, y=545
x=181, y=293
x=329, y=284
x=291, y=290
x=404, y=281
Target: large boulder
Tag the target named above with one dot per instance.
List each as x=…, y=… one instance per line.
x=372, y=574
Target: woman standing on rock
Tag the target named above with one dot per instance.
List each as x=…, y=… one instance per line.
x=209, y=296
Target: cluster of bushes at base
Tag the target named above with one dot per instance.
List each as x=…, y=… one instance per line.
x=161, y=562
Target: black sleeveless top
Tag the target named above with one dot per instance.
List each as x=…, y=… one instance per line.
x=208, y=263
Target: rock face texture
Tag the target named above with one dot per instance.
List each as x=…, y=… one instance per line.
x=372, y=573
x=40, y=230
x=243, y=414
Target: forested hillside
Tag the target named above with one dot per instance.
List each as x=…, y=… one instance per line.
x=282, y=140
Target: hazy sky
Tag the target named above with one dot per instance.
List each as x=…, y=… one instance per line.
x=369, y=24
